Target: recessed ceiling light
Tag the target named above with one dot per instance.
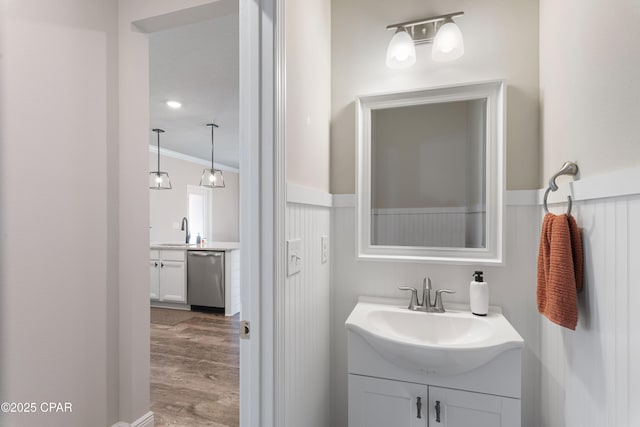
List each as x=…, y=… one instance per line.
x=174, y=104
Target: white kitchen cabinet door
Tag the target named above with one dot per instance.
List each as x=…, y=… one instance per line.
x=375, y=402
x=173, y=284
x=456, y=408
x=154, y=275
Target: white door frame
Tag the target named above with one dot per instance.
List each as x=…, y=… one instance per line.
x=262, y=200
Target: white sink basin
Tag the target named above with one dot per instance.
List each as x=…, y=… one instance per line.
x=175, y=245
x=435, y=343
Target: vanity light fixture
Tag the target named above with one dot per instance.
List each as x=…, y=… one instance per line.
x=159, y=180
x=212, y=178
x=174, y=104
x=445, y=35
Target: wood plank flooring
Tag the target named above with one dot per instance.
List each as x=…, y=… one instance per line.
x=194, y=369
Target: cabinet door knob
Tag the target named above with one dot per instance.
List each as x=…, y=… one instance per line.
x=437, y=411
x=155, y=264
x=162, y=265
x=419, y=406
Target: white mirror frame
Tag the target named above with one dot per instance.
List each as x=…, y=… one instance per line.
x=494, y=93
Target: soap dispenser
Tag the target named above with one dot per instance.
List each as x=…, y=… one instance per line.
x=479, y=295
x=198, y=239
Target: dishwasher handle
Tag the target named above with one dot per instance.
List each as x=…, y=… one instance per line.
x=216, y=254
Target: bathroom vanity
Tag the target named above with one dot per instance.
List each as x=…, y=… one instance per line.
x=453, y=369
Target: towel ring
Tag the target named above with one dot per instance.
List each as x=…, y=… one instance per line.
x=546, y=208
x=569, y=168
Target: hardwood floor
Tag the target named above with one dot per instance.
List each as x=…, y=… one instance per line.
x=194, y=369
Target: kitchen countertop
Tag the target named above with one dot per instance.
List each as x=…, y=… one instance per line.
x=210, y=246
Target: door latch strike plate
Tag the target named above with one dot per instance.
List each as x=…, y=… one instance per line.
x=245, y=329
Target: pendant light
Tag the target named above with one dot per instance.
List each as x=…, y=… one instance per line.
x=212, y=178
x=159, y=180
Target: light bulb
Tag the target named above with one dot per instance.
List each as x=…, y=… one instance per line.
x=401, y=52
x=448, y=43
x=212, y=177
x=158, y=179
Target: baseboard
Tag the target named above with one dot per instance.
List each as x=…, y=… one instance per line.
x=144, y=421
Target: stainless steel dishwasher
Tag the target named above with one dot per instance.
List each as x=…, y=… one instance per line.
x=205, y=279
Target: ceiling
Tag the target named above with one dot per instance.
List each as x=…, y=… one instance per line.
x=197, y=65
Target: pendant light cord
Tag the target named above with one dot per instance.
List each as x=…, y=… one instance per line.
x=158, y=172
x=212, y=168
x=213, y=125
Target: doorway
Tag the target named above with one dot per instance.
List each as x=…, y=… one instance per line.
x=258, y=199
x=194, y=223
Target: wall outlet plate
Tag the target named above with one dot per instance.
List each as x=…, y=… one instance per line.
x=294, y=256
x=324, y=249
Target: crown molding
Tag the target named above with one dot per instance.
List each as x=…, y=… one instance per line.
x=192, y=159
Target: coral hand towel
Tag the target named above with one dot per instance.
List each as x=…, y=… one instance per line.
x=560, y=270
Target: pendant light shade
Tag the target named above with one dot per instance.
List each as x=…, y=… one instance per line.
x=448, y=43
x=159, y=180
x=401, y=52
x=212, y=178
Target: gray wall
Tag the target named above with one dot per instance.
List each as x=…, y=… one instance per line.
x=589, y=85
x=308, y=92
x=59, y=210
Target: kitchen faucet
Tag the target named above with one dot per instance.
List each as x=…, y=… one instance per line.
x=185, y=221
x=425, y=303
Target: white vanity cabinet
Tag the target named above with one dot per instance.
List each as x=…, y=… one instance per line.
x=377, y=402
x=387, y=390
x=457, y=408
x=168, y=276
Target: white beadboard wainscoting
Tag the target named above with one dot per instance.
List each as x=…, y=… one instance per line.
x=307, y=309
x=591, y=377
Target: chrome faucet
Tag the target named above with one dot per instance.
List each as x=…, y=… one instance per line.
x=425, y=304
x=187, y=236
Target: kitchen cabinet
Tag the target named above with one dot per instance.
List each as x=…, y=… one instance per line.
x=377, y=402
x=168, y=276
x=154, y=275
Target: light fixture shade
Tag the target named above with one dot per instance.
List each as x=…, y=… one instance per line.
x=212, y=178
x=159, y=180
x=401, y=52
x=448, y=43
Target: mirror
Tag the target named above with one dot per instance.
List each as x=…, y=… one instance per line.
x=430, y=174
